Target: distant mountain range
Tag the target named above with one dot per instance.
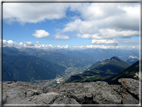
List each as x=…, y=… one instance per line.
x=36, y=64
x=100, y=70
x=60, y=57
x=27, y=64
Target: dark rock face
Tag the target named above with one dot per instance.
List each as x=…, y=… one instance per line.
x=99, y=92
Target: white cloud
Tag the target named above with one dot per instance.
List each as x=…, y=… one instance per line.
x=4, y=42
x=112, y=33
x=33, y=12
x=25, y=44
x=104, y=41
x=40, y=34
x=109, y=34
x=116, y=42
x=81, y=27
x=97, y=11
x=61, y=37
x=116, y=15
x=88, y=29
x=106, y=47
x=9, y=43
x=66, y=46
x=89, y=36
x=38, y=43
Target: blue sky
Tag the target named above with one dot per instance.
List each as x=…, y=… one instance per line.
x=64, y=25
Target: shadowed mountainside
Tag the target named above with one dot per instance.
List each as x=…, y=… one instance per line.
x=129, y=72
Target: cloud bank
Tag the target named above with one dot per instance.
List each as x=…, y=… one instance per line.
x=105, y=20
x=27, y=44
x=33, y=12
x=115, y=42
x=62, y=37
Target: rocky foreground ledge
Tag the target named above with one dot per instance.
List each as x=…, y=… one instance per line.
x=99, y=92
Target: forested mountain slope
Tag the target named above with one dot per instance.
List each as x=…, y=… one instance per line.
x=25, y=68
x=102, y=71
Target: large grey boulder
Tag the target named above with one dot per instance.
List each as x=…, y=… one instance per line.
x=131, y=85
x=91, y=93
x=15, y=92
x=14, y=96
x=45, y=98
x=129, y=99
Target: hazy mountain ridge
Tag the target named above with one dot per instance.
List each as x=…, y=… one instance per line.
x=64, y=58
x=102, y=54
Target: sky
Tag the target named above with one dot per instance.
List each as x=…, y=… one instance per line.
x=71, y=25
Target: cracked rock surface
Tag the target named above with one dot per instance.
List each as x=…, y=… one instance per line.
x=99, y=92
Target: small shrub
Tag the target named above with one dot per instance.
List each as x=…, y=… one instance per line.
x=14, y=80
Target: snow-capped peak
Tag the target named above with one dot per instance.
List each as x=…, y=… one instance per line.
x=133, y=57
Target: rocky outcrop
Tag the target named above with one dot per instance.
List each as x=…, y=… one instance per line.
x=131, y=85
x=99, y=92
x=94, y=92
